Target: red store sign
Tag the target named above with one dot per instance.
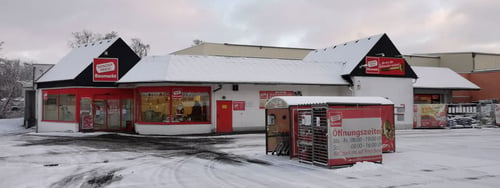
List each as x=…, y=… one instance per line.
x=105, y=69
x=239, y=105
x=385, y=66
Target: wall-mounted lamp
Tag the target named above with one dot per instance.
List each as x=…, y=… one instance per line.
x=380, y=54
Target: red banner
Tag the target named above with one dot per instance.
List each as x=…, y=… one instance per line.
x=105, y=69
x=385, y=66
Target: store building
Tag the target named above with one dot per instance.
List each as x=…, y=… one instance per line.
x=195, y=94
x=80, y=92
x=240, y=50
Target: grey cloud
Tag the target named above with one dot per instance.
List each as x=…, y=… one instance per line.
x=40, y=30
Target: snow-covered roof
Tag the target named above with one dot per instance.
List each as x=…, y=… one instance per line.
x=349, y=53
x=76, y=61
x=286, y=101
x=440, y=78
x=217, y=69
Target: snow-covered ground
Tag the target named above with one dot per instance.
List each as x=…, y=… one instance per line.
x=424, y=158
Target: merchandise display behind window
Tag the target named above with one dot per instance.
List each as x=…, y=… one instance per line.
x=186, y=105
x=155, y=106
x=60, y=107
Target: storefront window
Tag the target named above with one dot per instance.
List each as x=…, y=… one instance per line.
x=155, y=106
x=175, y=104
x=191, y=107
x=60, y=107
x=50, y=108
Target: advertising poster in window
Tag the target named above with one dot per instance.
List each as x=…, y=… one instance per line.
x=105, y=70
x=87, y=120
x=430, y=116
x=355, y=134
x=264, y=96
x=239, y=105
x=45, y=95
x=385, y=66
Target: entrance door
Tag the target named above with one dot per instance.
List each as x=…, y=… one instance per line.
x=100, y=117
x=113, y=107
x=112, y=113
x=224, y=116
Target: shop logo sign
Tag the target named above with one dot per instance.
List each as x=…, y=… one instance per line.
x=177, y=93
x=334, y=118
x=385, y=66
x=105, y=70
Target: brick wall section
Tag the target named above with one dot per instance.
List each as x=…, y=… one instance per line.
x=489, y=82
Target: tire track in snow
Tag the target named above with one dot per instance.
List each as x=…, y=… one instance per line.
x=176, y=173
x=209, y=170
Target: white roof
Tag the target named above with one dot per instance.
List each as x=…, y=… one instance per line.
x=76, y=61
x=286, y=101
x=440, y=78
x=217, y=69
x=349, y=53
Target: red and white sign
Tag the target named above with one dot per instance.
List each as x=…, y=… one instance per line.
x=266, y=95
x=385, y=66
x=105, y=69
x=177, y=93
x=358, y=138
x=335, y=119
x=239, y=105
x=45, y=95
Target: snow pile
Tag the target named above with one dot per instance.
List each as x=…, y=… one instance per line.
x=9, y=126
x=359, y=167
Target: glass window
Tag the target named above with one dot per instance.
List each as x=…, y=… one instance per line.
x=50, y=108
x=155, y=107
x=67, y=106
x=192, y=107
x=174, y=104
x=59, y=107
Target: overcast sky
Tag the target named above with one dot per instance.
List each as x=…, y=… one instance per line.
x=39, y=30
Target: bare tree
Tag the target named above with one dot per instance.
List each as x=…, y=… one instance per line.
x=109, y=35
x=10, y=87
x=197, y=42
x=86, y=36
x=1, y=43
x=139, y=48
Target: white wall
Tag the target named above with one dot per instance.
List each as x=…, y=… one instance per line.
x=398, y=90
x=172, y=129
x=253, y=118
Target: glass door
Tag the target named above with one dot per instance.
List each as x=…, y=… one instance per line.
x=100, y=114
x=113, y=114
x=127, y=114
